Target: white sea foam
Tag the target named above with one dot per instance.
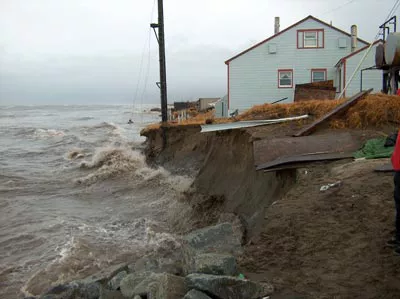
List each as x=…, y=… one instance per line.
x=48, y=133
x=109, y=162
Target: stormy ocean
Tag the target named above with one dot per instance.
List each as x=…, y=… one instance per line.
x=76, y=194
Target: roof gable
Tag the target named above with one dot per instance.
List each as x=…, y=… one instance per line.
x=358, y=51
x=287, y=29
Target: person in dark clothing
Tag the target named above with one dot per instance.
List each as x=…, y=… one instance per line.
x=395, y=242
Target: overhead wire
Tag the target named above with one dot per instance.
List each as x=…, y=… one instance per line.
x=146, y=77
x=338, y=7
x=394, y=8
x=138, y=80
x=146, y=42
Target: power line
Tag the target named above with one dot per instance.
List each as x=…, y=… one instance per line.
x=339, y=7
x=141, y=62
x=146, y=77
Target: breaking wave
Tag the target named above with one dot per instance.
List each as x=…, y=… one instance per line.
x=110, y=162
x=76, y=154
x=48, y=133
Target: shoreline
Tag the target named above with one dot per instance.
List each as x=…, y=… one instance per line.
x=274, y=232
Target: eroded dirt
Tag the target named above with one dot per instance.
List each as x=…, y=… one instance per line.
x=330, y=244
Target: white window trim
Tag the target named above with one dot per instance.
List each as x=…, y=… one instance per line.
x=279, y=78
x=316, y=39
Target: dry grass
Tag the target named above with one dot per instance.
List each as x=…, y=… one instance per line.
x=373, y=111
x=316, y=108
x=197, y=119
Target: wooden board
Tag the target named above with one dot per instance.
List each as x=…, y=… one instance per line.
x=267, y=150
x=342, y=107
x=384, y=168
x=303, y=158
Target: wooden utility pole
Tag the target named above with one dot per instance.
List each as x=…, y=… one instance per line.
x=163, y=71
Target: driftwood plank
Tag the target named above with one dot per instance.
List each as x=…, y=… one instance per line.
x=340, y=108
x=267, y=150
x=303, y=158
x=384, y=168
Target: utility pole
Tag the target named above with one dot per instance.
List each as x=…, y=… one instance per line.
x=163, y=72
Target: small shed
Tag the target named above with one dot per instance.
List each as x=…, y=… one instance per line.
x=205, y=103
x=323, y=90
x=221, y=107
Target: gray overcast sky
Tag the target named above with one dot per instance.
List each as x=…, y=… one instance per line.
x=89, y=51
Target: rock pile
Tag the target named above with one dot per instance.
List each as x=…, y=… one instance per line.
x=204, y=269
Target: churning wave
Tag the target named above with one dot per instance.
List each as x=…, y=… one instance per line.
x=112, y=162
x=80, y=257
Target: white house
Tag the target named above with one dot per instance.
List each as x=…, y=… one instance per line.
x=371, y=78
x=308, y=51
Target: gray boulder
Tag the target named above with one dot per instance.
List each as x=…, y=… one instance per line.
x=153, y=285
x=218, y=239
x=114, y=283
x=137, y=297
x=158, y=265
x=215, y=263
x=110, y=294
x=140, y=283
x=238, y=225
x=213, y=239
x=105, y=274
x=195, y=294
x=227, y=287
x=73, y=290
x=171, y=287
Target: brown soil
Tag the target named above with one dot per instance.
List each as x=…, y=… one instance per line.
x=306, y=242
x=330, y=244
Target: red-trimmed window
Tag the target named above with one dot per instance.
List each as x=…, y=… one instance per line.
x=285, y=78
x=310, y=39
x=318, y=75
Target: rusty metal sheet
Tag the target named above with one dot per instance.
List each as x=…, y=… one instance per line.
x=342, y=107
x=267, y=150
x=290, y=161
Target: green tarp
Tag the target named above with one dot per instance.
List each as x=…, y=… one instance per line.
x=374, y=149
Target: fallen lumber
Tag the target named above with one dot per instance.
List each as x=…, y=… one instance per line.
x=312, y=157
x=342, y=107
x=267, y=150
x=384, y=168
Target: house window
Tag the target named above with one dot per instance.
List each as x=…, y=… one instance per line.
x=318, y=75
x=310, y=39
x=285, y=78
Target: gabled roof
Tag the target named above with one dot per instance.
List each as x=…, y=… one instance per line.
x=358, y=51
x=287, y=29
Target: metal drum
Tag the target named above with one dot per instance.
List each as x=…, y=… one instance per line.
x=380, y=56
x=392, y=49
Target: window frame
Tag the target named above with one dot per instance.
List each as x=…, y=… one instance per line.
x=314, y=39
x=318, y=41
x=279, y=78
x=325, y=71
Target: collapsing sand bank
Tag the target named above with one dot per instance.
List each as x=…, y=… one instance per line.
x=305, y=241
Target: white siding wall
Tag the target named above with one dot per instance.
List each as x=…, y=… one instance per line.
x=253, y=77
x=371, y=79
